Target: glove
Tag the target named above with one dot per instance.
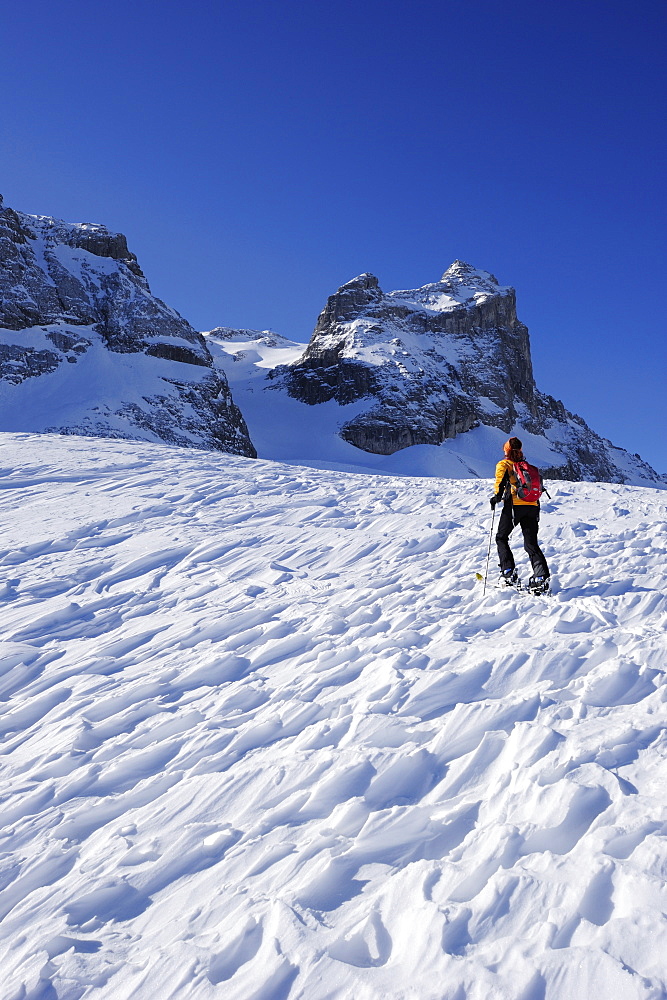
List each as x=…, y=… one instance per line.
x=493, y=501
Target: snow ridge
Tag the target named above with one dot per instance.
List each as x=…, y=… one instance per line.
x=265, y=736
x=461, y=284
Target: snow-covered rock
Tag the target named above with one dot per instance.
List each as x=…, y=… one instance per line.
x=86, y=348
x=431, y=364
x=263, y=736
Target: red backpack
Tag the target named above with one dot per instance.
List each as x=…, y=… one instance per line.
x=528, y=482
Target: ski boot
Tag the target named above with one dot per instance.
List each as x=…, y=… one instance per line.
x=510, y=578
x=538, y=585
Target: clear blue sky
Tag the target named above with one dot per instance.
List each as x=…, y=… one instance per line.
x=259, y=154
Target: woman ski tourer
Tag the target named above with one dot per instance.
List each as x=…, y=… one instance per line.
x=524, y=512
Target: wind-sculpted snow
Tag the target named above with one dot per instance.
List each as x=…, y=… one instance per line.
x=263, y=736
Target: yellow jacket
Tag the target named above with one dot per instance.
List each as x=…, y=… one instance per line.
x=503, y=466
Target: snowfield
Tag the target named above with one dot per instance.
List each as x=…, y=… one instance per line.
x=264, y=737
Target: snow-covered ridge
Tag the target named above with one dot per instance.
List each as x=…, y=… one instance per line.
x=461, y=284
x=264, y=736
x=268, y=348
x=86, y=348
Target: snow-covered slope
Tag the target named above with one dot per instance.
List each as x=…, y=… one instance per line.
x=85, y=348
x=415, y=369
x=264, y=737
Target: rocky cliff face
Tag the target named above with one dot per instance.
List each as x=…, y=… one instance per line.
x=86, y=348
x=435, y=362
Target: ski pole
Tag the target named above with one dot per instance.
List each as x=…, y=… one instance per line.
x=486, y=568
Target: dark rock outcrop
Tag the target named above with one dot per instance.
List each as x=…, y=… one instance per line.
x=73, y=294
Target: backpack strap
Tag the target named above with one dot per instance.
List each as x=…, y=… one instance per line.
x=504, y=490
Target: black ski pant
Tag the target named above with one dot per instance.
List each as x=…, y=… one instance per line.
x=528, y=518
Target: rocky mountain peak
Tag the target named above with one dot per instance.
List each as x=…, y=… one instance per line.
x=460, y=271
x=73, y=301
x=461, y=285
x=352, y=298
x=436, y=362
x=362, y=281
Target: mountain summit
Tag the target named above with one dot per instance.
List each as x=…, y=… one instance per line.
x=430, y=364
